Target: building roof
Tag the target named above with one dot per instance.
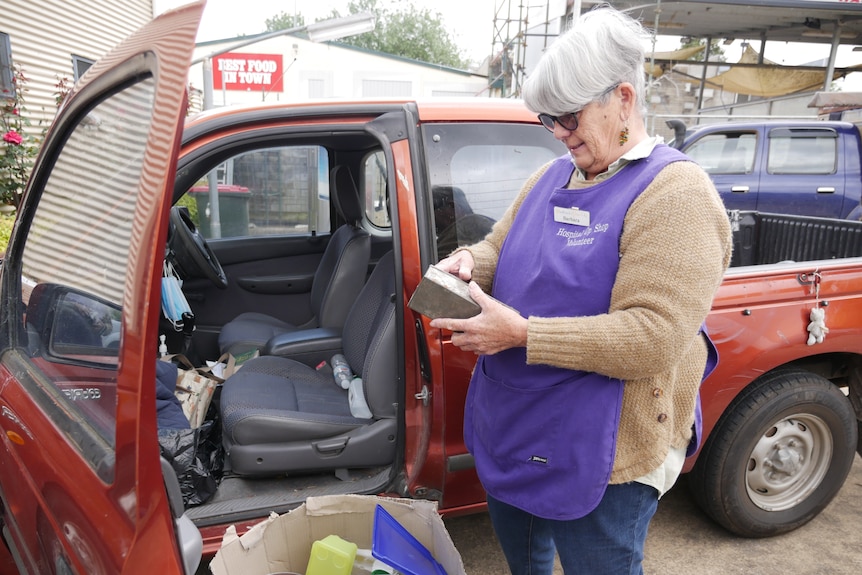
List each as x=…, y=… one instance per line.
x=776, y=20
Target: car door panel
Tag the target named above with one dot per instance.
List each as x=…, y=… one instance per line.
x=733, y=159
x=52, y=511
x=77, y=404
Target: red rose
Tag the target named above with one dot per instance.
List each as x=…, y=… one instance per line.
x=13, y=137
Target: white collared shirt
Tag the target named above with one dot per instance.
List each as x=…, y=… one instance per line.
x=641, y=150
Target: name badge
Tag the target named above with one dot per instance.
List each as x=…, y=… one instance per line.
x=572, y=216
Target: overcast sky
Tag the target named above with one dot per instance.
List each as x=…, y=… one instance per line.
x=471, y=23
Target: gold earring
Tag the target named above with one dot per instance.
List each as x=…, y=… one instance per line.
x=624, y=134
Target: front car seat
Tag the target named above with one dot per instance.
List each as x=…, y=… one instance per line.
x=281, y=416
x=337, y=280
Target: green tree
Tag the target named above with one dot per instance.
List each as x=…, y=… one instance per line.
x=284, y=21
x=401, y=29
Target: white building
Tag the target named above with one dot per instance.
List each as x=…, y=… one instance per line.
x=290, y=67
x=54, y=40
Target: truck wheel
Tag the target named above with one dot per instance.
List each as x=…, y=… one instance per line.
x=778, y=455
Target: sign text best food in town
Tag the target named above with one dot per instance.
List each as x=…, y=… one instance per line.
x=255, y=72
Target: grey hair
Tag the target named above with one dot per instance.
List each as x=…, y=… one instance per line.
x=603, y=49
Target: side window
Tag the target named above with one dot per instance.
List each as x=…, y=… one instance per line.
x=7, y=87
x=476, y=174
x=725, y=153
x=271, y=191
x=80, y=65
x=373, y=190
x=802, y=152
x=74, y=266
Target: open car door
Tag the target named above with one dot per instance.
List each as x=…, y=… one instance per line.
x=81, y=485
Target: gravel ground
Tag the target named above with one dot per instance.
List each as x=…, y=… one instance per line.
x=684, y=541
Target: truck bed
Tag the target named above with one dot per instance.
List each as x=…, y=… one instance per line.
x=763, y=238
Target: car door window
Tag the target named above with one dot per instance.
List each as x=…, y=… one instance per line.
x=74, y=267
x=813, y=152
x=476, y=174
x=281, y=190
x=725, y=153
x=373, y=190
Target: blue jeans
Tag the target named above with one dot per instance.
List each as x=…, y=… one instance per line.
x=607, y=541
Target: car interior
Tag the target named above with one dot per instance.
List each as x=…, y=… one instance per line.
x=283, y=427
x=334, y=287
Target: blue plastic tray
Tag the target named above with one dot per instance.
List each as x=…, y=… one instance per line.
x=395, y=546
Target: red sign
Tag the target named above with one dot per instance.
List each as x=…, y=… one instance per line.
x=248, y=72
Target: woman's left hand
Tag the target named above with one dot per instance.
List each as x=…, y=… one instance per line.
x=498, y=327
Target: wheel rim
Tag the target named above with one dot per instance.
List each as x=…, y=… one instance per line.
x=789, y=461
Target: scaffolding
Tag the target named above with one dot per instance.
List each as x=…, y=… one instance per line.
x=522, y=31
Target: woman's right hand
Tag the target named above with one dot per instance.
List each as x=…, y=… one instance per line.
x=459, y=264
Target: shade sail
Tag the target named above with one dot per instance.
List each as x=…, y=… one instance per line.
x=769, y=79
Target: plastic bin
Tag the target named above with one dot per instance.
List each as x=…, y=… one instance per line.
x=233, y=210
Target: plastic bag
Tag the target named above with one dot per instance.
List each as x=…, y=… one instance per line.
x=196, y=455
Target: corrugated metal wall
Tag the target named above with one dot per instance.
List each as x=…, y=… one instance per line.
x=46, y=33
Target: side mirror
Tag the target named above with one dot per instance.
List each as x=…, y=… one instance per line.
x=679, y=128
x=71, y=325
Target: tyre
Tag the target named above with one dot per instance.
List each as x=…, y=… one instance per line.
x=777, y=456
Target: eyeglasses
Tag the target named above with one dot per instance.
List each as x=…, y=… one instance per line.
x=570, y=121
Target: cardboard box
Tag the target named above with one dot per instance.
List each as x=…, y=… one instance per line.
x=283, y=542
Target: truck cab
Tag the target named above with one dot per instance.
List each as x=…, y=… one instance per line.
x=809, y=168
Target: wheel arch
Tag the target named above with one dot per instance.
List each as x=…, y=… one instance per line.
x=841, y=368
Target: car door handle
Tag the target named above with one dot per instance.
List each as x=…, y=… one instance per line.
x=739, y=189
x=825, y=190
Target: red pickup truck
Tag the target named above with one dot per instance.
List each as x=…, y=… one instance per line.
x=312, y=224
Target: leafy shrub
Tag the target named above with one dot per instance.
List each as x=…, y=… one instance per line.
x=6, y=223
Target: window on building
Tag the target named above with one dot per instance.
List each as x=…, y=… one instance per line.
x=80, y=65
x=316, y=88
x=386, y=88
x=7, y=87
x=453, y=93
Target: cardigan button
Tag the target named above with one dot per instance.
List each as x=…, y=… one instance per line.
x=657, y=392
x=662, y=417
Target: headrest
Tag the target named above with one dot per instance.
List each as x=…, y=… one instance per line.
x=345, y=195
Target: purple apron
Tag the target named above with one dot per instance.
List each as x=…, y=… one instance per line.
x=544, y=437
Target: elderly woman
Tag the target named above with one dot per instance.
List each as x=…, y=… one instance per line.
x=583, y=401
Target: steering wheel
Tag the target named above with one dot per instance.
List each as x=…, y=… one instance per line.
x=191, y=252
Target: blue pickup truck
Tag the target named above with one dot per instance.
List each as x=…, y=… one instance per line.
x=805, y=167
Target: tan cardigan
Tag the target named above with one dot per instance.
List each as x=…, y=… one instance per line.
x=674, y=249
